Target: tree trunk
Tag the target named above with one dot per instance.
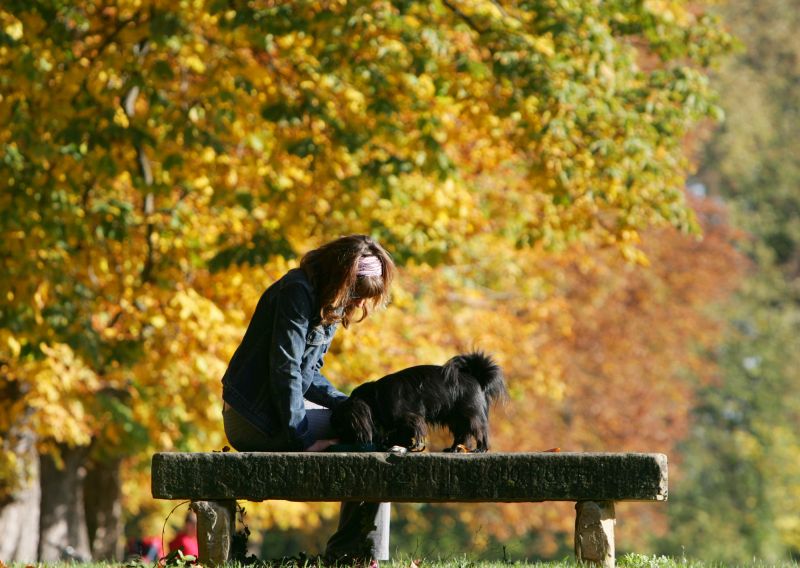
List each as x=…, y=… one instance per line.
x=19, y=516
x=103, y=499
x=63, y=534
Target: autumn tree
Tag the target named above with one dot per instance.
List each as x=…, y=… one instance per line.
x=162, y=162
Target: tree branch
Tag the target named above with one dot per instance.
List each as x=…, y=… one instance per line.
x=469, y=21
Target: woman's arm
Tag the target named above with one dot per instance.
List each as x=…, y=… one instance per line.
x=321, y=391
x=292, y=316
x=321, y=445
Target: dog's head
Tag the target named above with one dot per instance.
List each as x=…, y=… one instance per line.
x=352, y=421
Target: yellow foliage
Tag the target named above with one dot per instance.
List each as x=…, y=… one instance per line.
x=164, y=162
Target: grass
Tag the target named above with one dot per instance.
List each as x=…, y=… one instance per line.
x=624, y=561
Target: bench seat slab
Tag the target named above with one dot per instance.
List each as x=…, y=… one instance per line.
x=415, y=477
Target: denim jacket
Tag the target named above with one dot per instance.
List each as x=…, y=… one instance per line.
x=278, y=362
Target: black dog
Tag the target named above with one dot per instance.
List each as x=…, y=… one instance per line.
x=395, y=410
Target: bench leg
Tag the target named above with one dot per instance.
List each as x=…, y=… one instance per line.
x=594, y=532
x=216, y=524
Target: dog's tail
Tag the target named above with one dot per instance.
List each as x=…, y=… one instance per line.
x=483, y=368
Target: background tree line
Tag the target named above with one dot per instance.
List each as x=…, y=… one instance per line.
x=738, y=492
x=525, y=163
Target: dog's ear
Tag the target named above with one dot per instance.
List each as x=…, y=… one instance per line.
x=342, y=421
x=361, y=421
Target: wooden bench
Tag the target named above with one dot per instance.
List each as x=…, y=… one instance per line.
x=595, y=481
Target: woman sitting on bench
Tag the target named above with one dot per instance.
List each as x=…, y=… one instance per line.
x=276, y=399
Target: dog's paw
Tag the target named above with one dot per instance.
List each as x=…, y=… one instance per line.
x=417, y=445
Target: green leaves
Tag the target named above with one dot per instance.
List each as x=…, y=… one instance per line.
x=178, y=559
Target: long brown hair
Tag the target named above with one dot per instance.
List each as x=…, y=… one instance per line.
x=333, y=270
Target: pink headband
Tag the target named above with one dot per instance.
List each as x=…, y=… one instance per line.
x=369, y=266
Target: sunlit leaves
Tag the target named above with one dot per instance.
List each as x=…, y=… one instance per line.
x=163, y=162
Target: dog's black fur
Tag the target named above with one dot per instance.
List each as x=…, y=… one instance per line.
x=395, y=410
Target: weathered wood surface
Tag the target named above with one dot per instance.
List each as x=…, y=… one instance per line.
x=416, y=477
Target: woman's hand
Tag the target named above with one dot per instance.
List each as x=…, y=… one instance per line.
x=321, y=445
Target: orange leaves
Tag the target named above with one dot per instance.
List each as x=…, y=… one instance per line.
x=166, y=162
